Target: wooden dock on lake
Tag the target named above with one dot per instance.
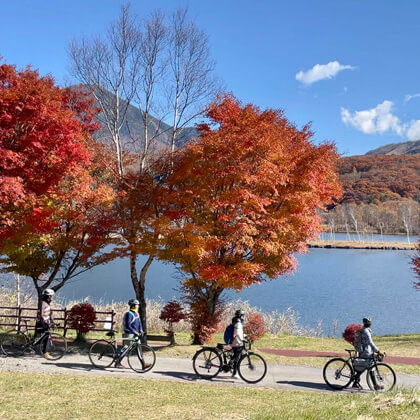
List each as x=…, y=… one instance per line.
x=363, y=245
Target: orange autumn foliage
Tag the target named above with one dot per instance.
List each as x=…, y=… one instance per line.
x=243, y=200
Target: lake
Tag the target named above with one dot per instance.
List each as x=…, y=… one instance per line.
x=329, y=284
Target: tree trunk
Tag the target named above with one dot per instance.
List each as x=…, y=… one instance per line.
x=212, y=304
x=139, y=284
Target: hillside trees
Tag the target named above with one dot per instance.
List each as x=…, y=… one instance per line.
x=242, y=200
x=52, y=219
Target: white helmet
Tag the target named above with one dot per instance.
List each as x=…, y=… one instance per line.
x=48, y=292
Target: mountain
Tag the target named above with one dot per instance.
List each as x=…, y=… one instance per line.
x=132, y=131
x=407, y=148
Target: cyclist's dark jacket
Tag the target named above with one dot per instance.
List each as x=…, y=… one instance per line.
x=132, y=323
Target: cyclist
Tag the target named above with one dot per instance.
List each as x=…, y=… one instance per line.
x=238, y=339
x=45, y=319
x=368, y=350
x=132, y=325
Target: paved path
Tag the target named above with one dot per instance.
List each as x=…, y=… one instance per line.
x=309, y=353
x=176, y=369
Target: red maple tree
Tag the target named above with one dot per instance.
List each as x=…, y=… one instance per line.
x=42, y=139
x=54, y=199
x=242, y=200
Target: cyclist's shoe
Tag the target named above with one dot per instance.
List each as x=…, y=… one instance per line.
x=119, y=365
x=235, y=376
x=146, y=365
x=47, y=356
x=356, y=385
x=378, y=387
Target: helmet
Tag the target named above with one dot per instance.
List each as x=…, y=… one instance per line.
x=367, y=322
x=48, y=292
x=239, y=313
x=133, y=302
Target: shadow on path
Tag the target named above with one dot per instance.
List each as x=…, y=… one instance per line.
x=312, y=385
x=77, y=366
x=179, y=375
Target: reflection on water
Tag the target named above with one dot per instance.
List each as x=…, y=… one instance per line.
x=329, y=284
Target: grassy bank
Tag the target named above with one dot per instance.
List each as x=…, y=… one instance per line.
x=74, y=397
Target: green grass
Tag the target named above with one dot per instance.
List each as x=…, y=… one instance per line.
x=65, y=397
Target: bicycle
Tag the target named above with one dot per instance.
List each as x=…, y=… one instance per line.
x=208, y=362
x=15, y=343
x=103, y=353
x=339, y=373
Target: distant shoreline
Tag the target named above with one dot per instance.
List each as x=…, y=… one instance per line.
x=362, y=245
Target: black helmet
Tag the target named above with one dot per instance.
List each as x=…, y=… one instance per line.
x=133, y=302
x=367, y=322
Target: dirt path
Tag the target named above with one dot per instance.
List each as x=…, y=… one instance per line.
x=177, y=369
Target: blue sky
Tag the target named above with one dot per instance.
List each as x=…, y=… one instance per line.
x=351, y=67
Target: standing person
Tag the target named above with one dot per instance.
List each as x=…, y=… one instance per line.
x=368, y=346
x=45, y=319
x=131, y=322
x=132, y=326
x=368, y=349
x=238, y=340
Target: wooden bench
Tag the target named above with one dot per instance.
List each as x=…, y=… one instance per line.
x=165, y=338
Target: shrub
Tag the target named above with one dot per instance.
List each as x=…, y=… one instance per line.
x=254, y=326
x=349, y=332
x=172, y=313
x=81, y=318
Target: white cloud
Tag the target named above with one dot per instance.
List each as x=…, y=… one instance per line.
x=413, y=131
x=321, y=71
x=409, y=97
x=376, y=120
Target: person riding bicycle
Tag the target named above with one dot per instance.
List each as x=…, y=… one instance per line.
x=368, y=348
x=132, y=324
x=45, y=319
x=238, y=340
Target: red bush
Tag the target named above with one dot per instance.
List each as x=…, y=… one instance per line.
x=254, y=326
x=348, y=333
x=81, y=318
x=172, y=313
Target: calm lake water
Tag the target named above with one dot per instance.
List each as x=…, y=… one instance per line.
x=329, y=284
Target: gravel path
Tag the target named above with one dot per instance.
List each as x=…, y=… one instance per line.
x=177, y=369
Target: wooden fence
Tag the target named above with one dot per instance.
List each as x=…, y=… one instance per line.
x=20, y=317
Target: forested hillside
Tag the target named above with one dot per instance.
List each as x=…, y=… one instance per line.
x=381, y=194
x=380, y=178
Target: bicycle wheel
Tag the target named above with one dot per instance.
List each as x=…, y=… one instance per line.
x=338, y=373
x=381, y=377
x=252, y=367
x=14, y=343
x=101, y=354
x=207, y=363
x=141, y=358
x=56, y=348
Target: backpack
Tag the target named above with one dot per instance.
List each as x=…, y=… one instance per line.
x=358, y=341
x=228, y=336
